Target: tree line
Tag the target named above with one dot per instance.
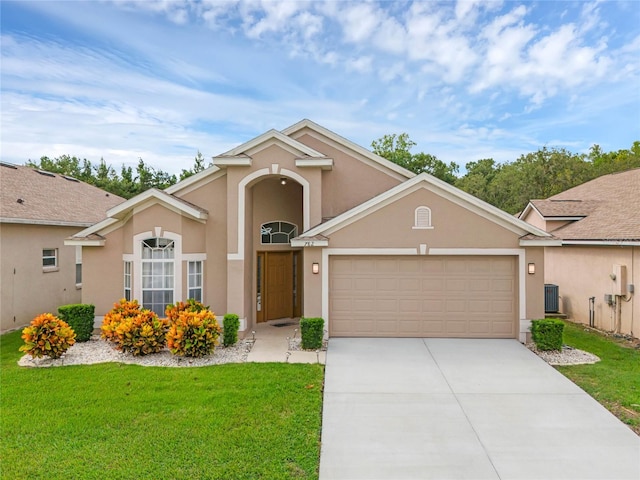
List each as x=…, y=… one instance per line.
x=508, y=186
x=511, y=185
x=127, y=183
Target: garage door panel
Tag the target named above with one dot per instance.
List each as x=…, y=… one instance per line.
x=364, y=284
x=385, y=305
x=433, y=285
x=423, y=296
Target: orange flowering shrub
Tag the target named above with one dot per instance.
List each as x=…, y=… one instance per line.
x=115, y=316
x=173, y=311
x=141, y=334
x=47, y=335
x=193, y=334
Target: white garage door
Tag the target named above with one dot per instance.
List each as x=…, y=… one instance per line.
x=434, y=296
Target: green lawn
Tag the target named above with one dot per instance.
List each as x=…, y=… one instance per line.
x=615, y=380
x=113, y=421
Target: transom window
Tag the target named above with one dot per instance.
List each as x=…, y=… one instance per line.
x=277, y=232
x=157, y=274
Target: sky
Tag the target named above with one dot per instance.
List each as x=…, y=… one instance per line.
x=163, y=79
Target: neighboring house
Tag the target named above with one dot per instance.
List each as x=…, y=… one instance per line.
x=305, y=222
x=38, y=210
x=598, y=224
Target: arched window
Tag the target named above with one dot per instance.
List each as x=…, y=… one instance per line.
x=422, y=218
x=277, y=232
x=157, y=274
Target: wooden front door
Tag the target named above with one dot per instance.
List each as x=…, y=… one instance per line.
x=278, y=285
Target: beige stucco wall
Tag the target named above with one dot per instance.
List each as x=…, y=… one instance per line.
x=26, y=290
x=582, y=272
x=453, y=227
x=535, y=283
x=350, y=182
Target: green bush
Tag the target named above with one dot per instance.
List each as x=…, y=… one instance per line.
x=311, y=332
x=230, y=326
x=80, y=319
x=547, y=333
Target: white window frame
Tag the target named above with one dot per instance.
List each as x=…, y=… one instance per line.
x=47, y=255
x=422, y=218
x=195, y=280
x=78, y=267
x=265, y=231
x=128, y=280
x=167, y=277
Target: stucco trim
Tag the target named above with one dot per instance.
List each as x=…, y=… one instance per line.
x=323, y=163
x=137, y=261
x=224, y=161
x=348, y=147
x=604, y=243
x=272, y=136
x=196, y=181
x=438, y=187
x=540, y=243
x=242, y=193
x=154, y=196
x=520, y=253
x=78, y=242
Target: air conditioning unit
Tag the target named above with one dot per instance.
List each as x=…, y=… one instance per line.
x=551, y=298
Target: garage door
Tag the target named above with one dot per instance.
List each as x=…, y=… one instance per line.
x=454, y=296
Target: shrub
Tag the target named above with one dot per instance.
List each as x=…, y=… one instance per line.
x=80, y=319
x=47, y=335
x=141, y=334
x=311, y=332
x=120, y=311
x=547, y=333
x=173, y=311
x=193, y=334
x=231, y=324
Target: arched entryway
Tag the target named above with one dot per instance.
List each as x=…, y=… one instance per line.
x=277, y=218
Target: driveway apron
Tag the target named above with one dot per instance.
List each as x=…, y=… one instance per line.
x=463, y=409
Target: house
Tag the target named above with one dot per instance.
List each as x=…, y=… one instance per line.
x=38, y=211
x=305, y=222
x=599, y=228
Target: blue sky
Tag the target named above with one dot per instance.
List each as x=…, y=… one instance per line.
x=466, y=80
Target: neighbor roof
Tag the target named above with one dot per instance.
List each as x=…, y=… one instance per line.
x=608, y=206
x=33, y=196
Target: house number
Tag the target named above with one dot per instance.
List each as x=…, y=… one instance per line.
x=309, y=244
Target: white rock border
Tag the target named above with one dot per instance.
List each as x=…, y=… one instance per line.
x=97, y=350
x=567, y=356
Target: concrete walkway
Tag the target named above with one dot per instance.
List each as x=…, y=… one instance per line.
x=272, y=344
x=463, y=409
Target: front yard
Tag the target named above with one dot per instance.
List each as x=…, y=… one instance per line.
x=112, y=421
x=615, y=380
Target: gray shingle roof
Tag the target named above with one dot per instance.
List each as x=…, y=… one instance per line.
x=610, y=205
x=28, y=195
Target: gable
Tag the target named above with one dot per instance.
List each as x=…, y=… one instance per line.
x=450, y=226
x=466, y=215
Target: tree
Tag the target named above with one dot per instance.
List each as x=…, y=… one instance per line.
x=198, y=166
x=397, y=149
x=105, y=176
x=478, y=180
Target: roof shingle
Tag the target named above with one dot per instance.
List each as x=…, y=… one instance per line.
x=609, y=204
x=28, y=195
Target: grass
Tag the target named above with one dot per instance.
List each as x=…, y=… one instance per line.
x=114, y=421
x=615, y=380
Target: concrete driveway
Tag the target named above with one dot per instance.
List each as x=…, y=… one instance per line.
x=454, y=409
